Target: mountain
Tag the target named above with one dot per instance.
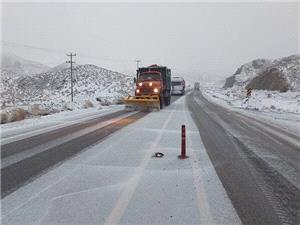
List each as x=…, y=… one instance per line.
x=281, y=74
x=59, y=67
x=19, y=66
x=247, y=72
x=52, y=89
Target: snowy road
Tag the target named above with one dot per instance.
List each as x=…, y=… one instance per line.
x=118, y=181
x=24, y=159
x=239, y=171
x=257, y=163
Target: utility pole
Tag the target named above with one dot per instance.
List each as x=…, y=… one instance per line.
x=71, y=74
x=137, y=63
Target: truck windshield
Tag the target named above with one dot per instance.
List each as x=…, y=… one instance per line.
x=149, y=76
x=176, y=83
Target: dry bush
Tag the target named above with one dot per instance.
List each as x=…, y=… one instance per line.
x=35, y=110
x=88, y=104
x=3, y=118
x=16, y=114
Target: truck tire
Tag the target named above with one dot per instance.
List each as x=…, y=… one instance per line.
x=161, y=102
x=167, y=100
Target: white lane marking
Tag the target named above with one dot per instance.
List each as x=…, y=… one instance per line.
x=126, y=196
x=21, y=136
x=15, y=158
x=203, y=205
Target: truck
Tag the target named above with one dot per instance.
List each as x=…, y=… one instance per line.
x=152, y=88
x=178, y=86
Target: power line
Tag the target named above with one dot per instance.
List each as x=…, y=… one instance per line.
x=71, y=74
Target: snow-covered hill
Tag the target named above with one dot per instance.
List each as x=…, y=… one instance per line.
x=275, y=84
x=16, y=65
x=51, y=90
x=281, y=74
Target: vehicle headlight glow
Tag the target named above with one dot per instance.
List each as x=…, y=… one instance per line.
x=150, y=84
x=140, y=84
x=137, y=91
x=155, y=90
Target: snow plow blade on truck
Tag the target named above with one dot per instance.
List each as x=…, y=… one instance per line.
x=142, y=102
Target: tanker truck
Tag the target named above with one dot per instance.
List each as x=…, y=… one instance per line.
x=153, y=88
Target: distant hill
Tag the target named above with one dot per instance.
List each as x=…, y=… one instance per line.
x=17, y=65
x=52, y=89
x=281, y=74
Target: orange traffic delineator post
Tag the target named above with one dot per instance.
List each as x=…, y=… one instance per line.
x=183, y=143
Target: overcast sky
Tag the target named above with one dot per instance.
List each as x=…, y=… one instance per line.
x=194, y=39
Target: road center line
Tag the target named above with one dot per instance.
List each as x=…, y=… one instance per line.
x=124, y=199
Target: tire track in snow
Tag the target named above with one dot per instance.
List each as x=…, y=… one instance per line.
x=203, y=206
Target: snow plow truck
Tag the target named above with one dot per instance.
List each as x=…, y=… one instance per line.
x=153, y=88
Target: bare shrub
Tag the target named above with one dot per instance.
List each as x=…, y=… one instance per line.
x=88, y=104
x=3, y=118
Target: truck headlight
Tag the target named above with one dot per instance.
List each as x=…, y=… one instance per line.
x=137, y=91
x=140, y=84
x=150, y=84
x=155, y=90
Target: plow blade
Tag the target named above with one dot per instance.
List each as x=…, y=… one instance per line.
x=142, y=102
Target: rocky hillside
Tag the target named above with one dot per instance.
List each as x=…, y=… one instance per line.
x=51, y=90
x=16, y=65
x=281, y=74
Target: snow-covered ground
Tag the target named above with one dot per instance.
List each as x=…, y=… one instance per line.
x=34, y=126
x=119, y=182
x=278, y=108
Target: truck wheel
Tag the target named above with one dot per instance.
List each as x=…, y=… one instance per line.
x=167, y=100
x=161, y=102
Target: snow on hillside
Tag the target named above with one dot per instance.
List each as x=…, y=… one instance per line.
x=289, y=67
x=51, y=90
x=16, y=65
x=281, y=74
x=263, y=74
x=247, y=72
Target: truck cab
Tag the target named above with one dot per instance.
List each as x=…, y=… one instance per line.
x=149, y=83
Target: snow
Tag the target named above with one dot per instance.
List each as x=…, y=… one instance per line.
x=20, y=66
x=120, y=182
x=33, y=126
x=282, y=109
x=92, y=85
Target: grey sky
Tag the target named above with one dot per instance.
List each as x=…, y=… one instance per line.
x=194, y=39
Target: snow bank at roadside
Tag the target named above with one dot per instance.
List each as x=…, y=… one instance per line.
x=61, y=118
x=279, y=108
x=264, y=101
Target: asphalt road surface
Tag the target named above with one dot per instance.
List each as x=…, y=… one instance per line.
x=257, y=163
x=24, y=160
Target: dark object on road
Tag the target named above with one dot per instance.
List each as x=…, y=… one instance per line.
x=158, y=155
